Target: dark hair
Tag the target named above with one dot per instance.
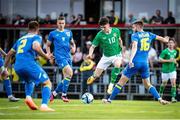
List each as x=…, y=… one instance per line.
x=33, y=25
x=103, y=21
x=61, y=18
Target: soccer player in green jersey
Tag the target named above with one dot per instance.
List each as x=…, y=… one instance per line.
x=168, y=59
x=110, y=41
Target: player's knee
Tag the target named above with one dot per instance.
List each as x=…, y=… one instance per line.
x=173, y=84
x=164, y=83
x=47, y=83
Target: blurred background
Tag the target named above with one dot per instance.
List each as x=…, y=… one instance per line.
x=161, y=17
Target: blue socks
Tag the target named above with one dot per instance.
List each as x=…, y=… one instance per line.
x=46, y=92
x=8, y=88
x=154, y=92
x=59, y=87
x=117, y=89
x=66, y=82
x=29, y=88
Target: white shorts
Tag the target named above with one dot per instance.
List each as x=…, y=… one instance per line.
x=167, y=76
x=105, y=62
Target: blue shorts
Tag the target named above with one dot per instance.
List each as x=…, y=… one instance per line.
x=141, y=67
x=1, y=62
x=64, y=62
x=31, y=73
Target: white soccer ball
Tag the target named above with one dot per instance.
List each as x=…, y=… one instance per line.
x=87, y=98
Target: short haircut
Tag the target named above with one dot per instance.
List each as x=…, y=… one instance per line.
x=33, y=25
x=61, y=18
x=138, y=22
x=172, y=39
x=103, y=21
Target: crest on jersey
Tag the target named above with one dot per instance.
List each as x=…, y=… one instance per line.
x=68, y=34
x=63, y=38
x=104, y=38
x=114, y=34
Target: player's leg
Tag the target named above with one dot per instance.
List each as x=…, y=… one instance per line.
x=145, y=74
x=29, y=88
x=153, y=91
x=67, y=73
x=38, y=75
x=46, y=92
x=165, y=78
x=173, y=84
x=114, y=73
x=96, y=74
x=7, y=86
x=103, y=64
x=126, y=75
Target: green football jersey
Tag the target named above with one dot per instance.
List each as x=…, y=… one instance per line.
x=167, y=55
x=109, y=43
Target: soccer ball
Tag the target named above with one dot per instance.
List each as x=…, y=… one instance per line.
x=87, y=98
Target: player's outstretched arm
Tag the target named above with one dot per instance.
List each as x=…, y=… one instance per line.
x=91, y=50
x=2, y=52
x=162, y=39
x=73, y=46
x=8, y=57
x=37, y=47
x=48, y=47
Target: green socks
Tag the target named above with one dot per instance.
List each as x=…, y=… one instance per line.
x=161, y=89
x=173, y=91
x=114, y=74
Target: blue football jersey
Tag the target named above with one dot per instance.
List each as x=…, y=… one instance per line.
x=24, y=51
x=61, y=41
x=144, y=40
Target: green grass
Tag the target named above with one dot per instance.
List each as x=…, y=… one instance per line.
x=77, y=110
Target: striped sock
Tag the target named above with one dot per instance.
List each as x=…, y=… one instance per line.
x=117, y=89
x=66, y=82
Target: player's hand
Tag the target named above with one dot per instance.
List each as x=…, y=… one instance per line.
x=131, y=64
x=73, y=49
x=89, y=56
x=52, y=61
x=173, y=60
x=4, y=73
x=166, y=39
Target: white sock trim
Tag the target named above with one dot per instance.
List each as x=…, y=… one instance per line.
x=64, y=94
x=111, y=84
x=9, y=96
x=54, y=93
x=43, y=105
x=28, y=97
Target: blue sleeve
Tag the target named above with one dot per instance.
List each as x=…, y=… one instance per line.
x=14, y=47
x=152, y=36
x=38, y=39
x=50, y=37
x=134, y=37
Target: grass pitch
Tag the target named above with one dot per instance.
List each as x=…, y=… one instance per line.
x=77, y=110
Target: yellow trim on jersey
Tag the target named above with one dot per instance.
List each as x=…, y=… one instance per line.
x=13, y=49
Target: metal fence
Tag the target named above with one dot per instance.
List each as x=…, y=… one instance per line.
x=134, y=89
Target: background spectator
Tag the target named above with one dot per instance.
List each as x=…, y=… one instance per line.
x=131, y=19
x=170, y=20
x=113, y=19
x=157, y=19
x=77, y=57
